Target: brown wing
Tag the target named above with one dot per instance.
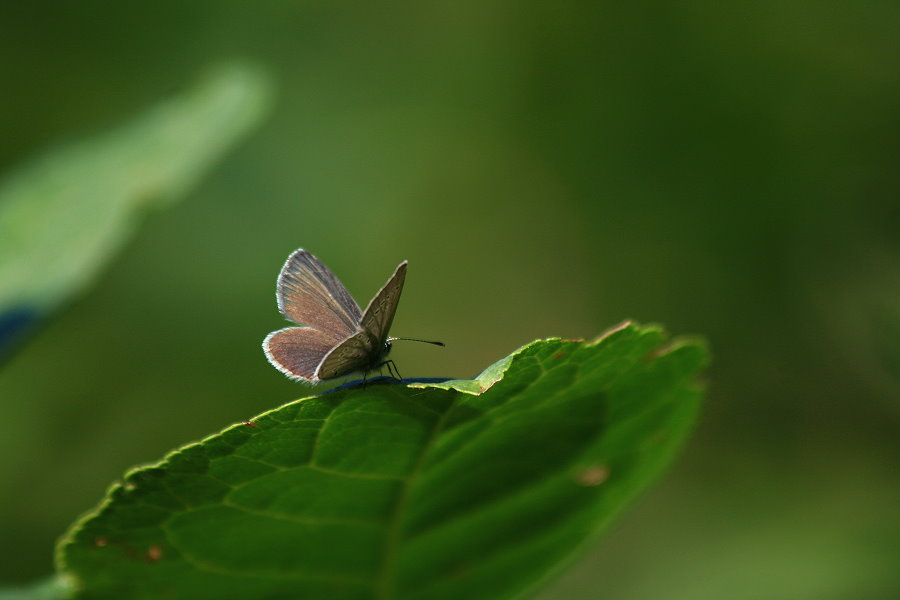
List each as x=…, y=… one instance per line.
x=309, y=294
x=297, y=351
x=356, y=352
x=379, y=314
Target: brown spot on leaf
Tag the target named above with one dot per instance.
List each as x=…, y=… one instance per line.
x=592, y=476
x=154, y=553
x=250, y=424
x=558, y=355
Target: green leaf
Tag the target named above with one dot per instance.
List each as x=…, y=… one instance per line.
x=463, y=489
x=64, y=215
x=53, y=588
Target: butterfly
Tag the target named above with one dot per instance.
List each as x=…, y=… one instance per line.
x=334, y=336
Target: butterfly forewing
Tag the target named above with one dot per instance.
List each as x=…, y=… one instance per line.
x=310, y=294
x=297, y=351
x=380, y=312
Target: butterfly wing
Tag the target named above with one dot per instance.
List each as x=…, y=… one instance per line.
x=379, y=314
x=337, y=338
x=353, y=354
x=297, y=351
x=310, y=294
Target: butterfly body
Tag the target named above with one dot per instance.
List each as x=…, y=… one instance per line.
x=333, y=337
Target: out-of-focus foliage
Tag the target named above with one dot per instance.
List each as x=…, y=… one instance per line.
x=63, y=216
x=724, y=168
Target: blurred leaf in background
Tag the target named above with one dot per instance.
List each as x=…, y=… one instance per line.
x=547, y=169
x=64, y=215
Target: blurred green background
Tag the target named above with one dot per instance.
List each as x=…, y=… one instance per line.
x=548, y=169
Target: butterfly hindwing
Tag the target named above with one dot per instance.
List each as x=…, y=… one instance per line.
x=310, y=294
x=353, y=354
x=297, y=351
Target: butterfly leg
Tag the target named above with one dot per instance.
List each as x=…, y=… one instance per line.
x=392, y=370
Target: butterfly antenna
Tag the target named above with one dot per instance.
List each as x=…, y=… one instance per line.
x=393, y=339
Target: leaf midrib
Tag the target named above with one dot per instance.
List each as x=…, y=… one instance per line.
x=384, y=584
